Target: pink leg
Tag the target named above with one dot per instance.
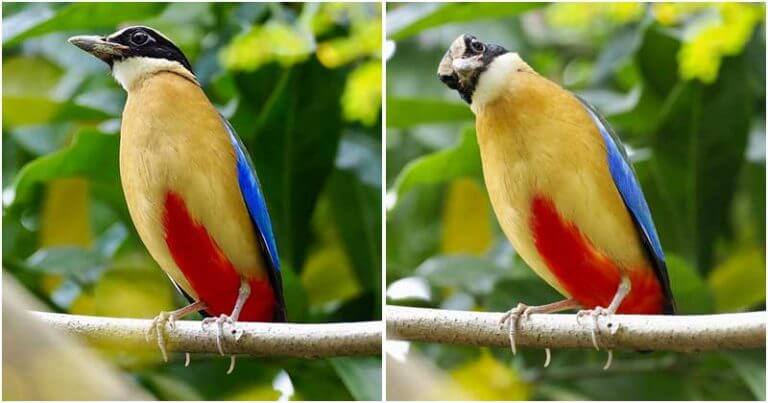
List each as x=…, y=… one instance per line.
x=242, y=296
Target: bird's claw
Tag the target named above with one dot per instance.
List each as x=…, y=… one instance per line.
x=511, y=319
x=219, y=322
x=595, y=314
x=157, y=330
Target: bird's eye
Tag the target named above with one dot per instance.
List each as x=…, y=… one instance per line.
x=139, y=38
x=477, y=46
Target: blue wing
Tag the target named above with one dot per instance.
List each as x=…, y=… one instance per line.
x=626, y=183
x=257, y=207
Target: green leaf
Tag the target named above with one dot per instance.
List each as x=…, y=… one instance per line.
x=751, y=367
x=407, y=112
x=691, y=293
x=442, y=166
x=81, y=264
x=357, y=211
x=316, y=380
x=78, y=16
x=413, y=230
x=92, y=155
x=657, y=59
x=297, y=133
x=295, y=296
x=408, y=20
x=699, y=148
x=475, y=275
x=738, y=283
x=362, y=376
x=29, y=76
x=29, y=110
x=620, y=49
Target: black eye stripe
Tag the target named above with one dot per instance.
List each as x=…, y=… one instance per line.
x=149, y=43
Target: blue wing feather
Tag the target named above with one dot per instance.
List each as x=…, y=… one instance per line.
x=257, y=207
x=626, y=183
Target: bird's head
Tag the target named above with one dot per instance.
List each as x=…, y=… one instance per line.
x=134, y=52
x=469, y=63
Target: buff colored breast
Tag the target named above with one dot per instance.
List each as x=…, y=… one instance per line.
x=538, y=143
x=173, y=141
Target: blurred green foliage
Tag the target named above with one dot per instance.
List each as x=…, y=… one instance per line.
x=301, y=83
x=683, y=85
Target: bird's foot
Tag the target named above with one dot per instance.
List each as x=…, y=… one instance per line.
x=595, y=314
x=511, y=319
x=157, y=331
x=219, y=322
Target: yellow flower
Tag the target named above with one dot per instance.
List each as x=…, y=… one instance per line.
x=488, y=379
x=622, y=13
x=583, y=16
x=700, y=56
x=365, y=39
x=571, y=15
x=273, y=42
x=666, y=13
x=361, y=100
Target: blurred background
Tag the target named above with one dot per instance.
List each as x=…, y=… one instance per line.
x=67, y=237
x=684, y=87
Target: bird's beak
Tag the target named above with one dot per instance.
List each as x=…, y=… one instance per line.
x=99, y=47
x=455, y=66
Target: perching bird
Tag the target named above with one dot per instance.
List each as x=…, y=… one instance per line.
x=191, y=188
x=562, y=188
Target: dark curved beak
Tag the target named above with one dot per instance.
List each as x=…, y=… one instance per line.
x=456, y=65
x=99, y=47
x=445, y=72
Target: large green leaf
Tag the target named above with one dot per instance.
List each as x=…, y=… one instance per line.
x=30, y=110
x=691, y=293
x=84, y=265
x=699, y=150
x=92, y=155
x=442, y=166
x=297, y=133
x=620, y=49
x=751, y=367
x=657, y=59
x=356, y=205
x=472, y=274
x=82, y=16
x=738, y=283
x=362, y=376
x=406, y=112
x=410, y=19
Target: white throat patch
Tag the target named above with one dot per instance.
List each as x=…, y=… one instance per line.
x=493, y=80
x=133, y=70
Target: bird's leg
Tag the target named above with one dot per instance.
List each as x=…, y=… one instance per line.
x=624, y=288
x=512, y=318
x=242, y=296
x=157, y=328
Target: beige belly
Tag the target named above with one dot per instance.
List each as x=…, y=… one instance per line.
x=526, y=154
x=165, y=147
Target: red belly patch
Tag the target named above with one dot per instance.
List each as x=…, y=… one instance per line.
x=590, y=277
x=206, y=268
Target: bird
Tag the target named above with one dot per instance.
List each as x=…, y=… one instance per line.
x=191, y=188
x=562, y=188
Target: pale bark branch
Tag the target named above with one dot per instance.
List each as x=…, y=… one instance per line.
x=259, y=339
x=636, y=332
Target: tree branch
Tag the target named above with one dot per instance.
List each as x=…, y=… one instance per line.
x=259, y=339
x=636, y=332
